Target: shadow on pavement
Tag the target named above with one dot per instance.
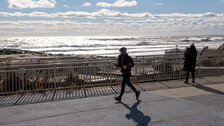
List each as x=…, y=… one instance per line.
x=199, y=86
x=136, y=115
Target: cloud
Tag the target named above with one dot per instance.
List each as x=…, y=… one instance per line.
x=118, y=3
x=145, y=20
x=159, y=3
x=106, y=27
x=104, y=4
x=181, y=15
x=104, y=13
x=66, y=6
x=21, y=4
x=111, y=14
x=114, y=23
x=86, y=4
x=123, y=3
x=20, y=14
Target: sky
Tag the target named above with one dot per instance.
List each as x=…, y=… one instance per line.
x=111, y=17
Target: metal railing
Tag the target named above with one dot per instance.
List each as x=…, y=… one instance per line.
x=76, y=75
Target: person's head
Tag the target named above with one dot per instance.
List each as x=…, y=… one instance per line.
x=192, y=45
x=123, y=51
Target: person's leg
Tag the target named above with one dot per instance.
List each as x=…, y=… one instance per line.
x=137, y=93
x=129, y=83
x=187, y=76
x=123, y=86
x=193, y=75
x=122, y=89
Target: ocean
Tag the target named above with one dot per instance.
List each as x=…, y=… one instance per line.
x=108, y=45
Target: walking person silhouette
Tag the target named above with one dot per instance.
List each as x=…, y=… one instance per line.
x=126, y=63
x=190, y=56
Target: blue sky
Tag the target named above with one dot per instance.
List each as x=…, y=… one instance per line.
x=111, y=17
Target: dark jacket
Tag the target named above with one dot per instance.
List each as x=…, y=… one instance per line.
x=190, y=56
x=125, y=60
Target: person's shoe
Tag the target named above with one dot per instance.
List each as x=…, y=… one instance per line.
x=186, y=82
x=118, y=99
x=137, y=95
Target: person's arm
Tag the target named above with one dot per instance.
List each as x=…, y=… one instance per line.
x=130, y=64
x=118, y=63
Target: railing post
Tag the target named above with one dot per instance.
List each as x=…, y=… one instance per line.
x=55, y=78
x=219, y=63
x=180, y=69
x=107, y=68
x=84, y=80
x=136, y=72
x=158, y=69
x=199, y=65
x=22, y=80
x=90, y=73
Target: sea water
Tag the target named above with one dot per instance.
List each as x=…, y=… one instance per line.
x=108, y=45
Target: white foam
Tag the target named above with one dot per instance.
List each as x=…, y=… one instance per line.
x=106, y=45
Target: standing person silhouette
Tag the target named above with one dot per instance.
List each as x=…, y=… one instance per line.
x=190, y=56
x=126, y=63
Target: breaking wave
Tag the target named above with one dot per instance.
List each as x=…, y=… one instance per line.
x=202, y=39
x=108, y=45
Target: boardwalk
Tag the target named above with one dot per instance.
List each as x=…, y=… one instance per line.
x=163, y=103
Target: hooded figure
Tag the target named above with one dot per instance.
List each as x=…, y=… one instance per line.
x=190, y=56
x=126, y=63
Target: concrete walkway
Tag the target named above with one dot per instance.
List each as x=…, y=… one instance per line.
x=200, y=104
